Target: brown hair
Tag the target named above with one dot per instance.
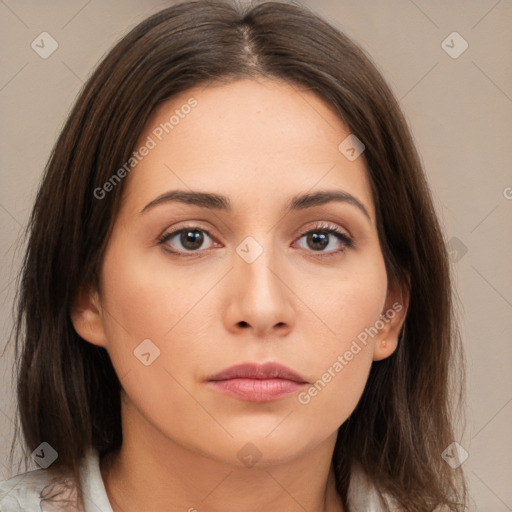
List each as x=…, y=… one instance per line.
x=68, y=392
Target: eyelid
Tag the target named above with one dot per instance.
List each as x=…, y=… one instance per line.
x=322, y=225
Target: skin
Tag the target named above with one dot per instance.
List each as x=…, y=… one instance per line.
x=259, y=143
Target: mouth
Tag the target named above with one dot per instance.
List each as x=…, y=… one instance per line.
x=257, y=382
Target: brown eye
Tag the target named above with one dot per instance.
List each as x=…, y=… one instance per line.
x=326, y=237
x=317, y=241
x=189, y=239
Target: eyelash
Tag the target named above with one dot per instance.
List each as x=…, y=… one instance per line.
x=347, y=242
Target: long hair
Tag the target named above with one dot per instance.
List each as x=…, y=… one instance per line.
x=68, y=392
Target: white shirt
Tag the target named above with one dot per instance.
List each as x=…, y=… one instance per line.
x=38, y=491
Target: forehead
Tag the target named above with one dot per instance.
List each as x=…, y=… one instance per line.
x=252, y=140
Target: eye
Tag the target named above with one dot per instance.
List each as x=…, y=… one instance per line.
x=190, y=238
x=327, y=236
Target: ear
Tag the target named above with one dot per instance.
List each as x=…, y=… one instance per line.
x=391, y=320
x=86, y=316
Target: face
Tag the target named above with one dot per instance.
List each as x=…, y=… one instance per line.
x=194, y=285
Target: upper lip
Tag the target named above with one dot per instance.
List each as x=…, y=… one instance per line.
x=258, y=371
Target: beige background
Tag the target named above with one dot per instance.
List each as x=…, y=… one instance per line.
x=459, y=110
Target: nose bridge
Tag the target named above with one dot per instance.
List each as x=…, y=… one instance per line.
x=256, y=263
x=259, y=297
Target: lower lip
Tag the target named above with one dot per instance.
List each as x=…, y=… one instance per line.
x=257, y=390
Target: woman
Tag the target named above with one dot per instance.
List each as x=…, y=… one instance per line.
x=236, y=291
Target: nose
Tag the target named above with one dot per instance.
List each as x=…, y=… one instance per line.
x=261, y=299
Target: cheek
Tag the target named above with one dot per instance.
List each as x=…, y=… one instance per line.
x=341, y=360
x=350, y=299
x=330, y=400
x=142, y=305
x=147, y=297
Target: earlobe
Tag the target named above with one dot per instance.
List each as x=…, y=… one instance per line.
x=391, y=320
x=86, y=317
x=384, y=348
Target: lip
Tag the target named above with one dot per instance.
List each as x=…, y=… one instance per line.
x=257, y=382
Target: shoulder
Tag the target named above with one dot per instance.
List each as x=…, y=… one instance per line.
x=363, y=495
x=24, y=492
x=44, y=490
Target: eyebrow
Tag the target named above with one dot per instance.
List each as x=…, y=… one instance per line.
x=220, y=202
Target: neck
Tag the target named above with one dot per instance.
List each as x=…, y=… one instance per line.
x=151, y=468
